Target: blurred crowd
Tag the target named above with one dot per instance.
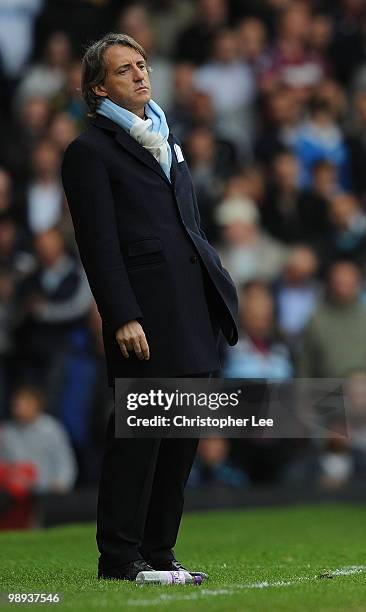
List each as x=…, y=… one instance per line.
x=268, y=98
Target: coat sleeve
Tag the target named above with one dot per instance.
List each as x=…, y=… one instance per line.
x=90, y=200
x=197, y=215
x=194, y=197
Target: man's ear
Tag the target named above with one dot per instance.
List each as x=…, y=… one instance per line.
x=99, y=91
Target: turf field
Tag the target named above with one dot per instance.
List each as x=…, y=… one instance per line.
x=263, y=559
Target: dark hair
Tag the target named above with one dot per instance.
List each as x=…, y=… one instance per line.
x=93, y=68
x=342, y=261
x=319, y=105
x=248, y=286
x=323, y=164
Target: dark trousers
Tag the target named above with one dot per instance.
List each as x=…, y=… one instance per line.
x=141, y=496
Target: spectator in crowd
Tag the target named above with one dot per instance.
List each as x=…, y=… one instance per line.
x=37, y=438
x=62, y=130
x=247, y=252
x=249, y=183
x=196, y=115
x=6, y=338
x=5, y=191
x=334, y=341
x=82, y=21
x=13, y=256
x=260, y=353
x=16, y=24
x=320, y=36
x=44, y=194
x=171, y=17
x=194, y=44
x=252, y=44
x=331, y=94
x=66, y=230
x=230, y=83
x=210, y=163
x=324, y=183
x=11, y=204
x=34, y=115
x=320, y=138
x=297, y=292
x=358, y=77
x=202, y=111
x=20, y=136
x=54, y=302
x=281, y=112
x=212, y=466
x=347, y=49
x=289, y=213
x=68, y=99
x=357, y=143
x=180, y=114
x=293, y=64
x=48, y=77
x=346, y=237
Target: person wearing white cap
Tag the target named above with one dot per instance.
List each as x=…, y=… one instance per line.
x=247, y=251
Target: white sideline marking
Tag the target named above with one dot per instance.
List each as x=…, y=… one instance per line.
x=347, y=571
x=201, y=592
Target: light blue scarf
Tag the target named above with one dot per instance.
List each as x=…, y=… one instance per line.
x=151, y=133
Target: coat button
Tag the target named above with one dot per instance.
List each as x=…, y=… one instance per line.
x=194, y=258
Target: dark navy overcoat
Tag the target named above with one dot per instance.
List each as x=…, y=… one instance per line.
x=145, y=255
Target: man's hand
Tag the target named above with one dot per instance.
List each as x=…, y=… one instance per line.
x=131, y=337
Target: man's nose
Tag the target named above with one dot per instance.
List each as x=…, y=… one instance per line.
x=138, y=74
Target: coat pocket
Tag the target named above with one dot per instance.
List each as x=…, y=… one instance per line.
x=144, y=253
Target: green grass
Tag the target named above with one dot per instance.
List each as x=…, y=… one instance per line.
x=238, y=549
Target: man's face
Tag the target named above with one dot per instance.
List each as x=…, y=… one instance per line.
x=25, y=407
x=344, y=283
x=48, y=247
x=127, y=82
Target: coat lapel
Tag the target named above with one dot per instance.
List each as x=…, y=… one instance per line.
x=130, y=144
x=174, y=167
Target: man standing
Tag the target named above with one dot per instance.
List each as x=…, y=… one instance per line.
x=159, y=286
